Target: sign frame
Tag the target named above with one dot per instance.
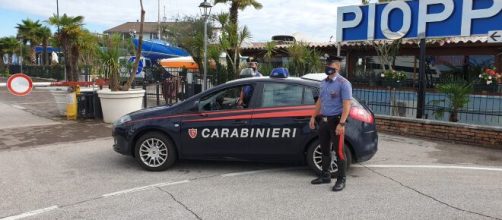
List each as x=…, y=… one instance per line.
x=19, y=93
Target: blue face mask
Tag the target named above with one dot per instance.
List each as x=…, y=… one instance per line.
x=329, y=70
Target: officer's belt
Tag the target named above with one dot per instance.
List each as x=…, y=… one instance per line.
x=333, y=117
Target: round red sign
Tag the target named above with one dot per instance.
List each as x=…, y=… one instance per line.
x=19, y=84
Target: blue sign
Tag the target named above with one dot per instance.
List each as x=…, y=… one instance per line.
x=419, y=19
x=140, y=65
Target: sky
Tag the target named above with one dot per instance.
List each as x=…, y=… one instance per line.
x=314, y=19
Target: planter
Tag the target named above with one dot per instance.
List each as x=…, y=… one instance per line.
x=59, y=94
x=485, y=89
x=119, y=103
x=391, y=83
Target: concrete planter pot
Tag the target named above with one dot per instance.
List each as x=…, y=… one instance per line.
x=119, y=103
x=59, y=94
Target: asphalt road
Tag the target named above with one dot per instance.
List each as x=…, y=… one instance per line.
x=85, y=179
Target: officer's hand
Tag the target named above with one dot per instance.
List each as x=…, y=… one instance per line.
x=340, y=130
x=312, y=123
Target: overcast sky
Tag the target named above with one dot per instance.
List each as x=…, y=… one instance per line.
x=315, y=19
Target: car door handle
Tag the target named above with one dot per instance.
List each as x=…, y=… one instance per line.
x=301, y=119
x=240, y=122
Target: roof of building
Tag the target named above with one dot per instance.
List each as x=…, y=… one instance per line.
x=409, y=42
x=148, y=27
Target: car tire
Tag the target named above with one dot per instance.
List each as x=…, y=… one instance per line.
x=314, y=150
x=155, y=152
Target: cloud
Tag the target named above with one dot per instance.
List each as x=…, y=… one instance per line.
x=316, y=19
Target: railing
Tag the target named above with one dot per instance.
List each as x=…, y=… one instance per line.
x=171, y=88
x=480, y=110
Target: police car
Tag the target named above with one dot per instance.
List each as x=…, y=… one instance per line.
x=272, y=125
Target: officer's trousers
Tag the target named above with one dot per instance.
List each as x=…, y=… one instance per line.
x=327, y=137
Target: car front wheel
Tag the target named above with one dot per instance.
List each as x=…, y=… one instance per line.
x=155, y=152
x=314, y=159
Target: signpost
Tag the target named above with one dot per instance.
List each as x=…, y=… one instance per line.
x=19, y=84
x=420, y=19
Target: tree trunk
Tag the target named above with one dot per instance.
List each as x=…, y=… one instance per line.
x=454, y=115
x=75, y=53
x=45, y=60
x=234, y=12
x=33, y=55
x=234, y=15
x=128, y=84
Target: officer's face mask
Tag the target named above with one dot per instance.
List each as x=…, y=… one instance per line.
x=329, y=70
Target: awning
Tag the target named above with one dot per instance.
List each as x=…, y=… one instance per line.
x=179, y=62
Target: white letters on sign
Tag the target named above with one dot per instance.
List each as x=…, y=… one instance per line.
x=405, y=8
x=348, y=24
x=468, y=14
x=424, y=17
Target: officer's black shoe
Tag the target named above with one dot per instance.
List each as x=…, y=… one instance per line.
x=339, y=185
x=324, y=178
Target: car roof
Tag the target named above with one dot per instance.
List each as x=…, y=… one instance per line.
x=295, y=80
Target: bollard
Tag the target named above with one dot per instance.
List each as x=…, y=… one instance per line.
x=157, y=92
x=71, y=103
x=145, y=104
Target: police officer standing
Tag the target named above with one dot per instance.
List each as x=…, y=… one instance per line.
x=333, y=106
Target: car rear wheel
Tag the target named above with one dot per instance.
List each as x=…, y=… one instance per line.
x=314, y=159
x=155, y=152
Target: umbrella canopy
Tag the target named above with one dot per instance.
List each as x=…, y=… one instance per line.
x=179, y=62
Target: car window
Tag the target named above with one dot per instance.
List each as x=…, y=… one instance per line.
x=310, y=95
x=228, y=99
x=281, y=94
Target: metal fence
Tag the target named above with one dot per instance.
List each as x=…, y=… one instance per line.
x=480, y=110
x=173, y=86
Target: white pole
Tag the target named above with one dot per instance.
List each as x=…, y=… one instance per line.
x=158, y=11
x=35, y=84
x=205, y=53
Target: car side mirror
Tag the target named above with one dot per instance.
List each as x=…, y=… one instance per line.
x=195, y=107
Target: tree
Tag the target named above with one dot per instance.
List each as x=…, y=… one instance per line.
x=303, y=59
x=8, y=45
x=188, y=33
x=44, y=34
x=231, y=40
x=29, y=30
x=235, y=6
x=457, y=92
x=138, y=50
x=67, y=37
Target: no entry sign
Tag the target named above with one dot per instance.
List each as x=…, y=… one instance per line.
x=19, y=84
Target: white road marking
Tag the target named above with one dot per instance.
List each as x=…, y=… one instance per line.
x=430, y=167
x=141, y=188
x=19, y=107
x=259, y=171
x=34, y=103
x=31, y=213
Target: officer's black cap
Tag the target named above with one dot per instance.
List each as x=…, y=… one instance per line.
x=332, y=59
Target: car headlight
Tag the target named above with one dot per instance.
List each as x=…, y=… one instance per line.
x=122, y=120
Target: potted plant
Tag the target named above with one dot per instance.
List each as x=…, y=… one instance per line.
x=489, y=80
x=119, y=99
x=457, y=92
x=393, y=78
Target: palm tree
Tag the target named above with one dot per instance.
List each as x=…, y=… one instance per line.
x=8, y=45
x=44, y=34
x=235, y=6
x=28, y=31
x=269, y=52
x=70, y=32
